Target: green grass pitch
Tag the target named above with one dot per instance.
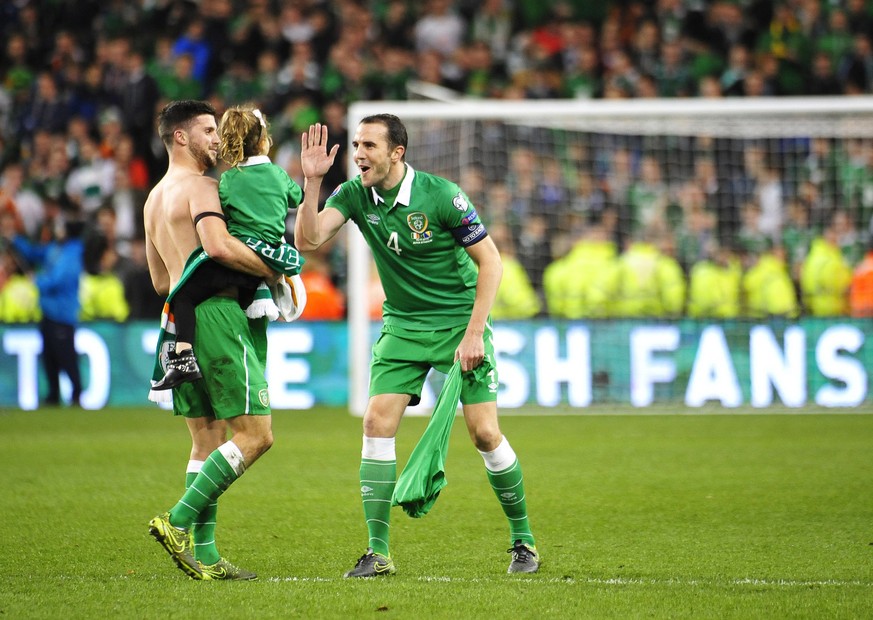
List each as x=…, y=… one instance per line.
x=637, y=516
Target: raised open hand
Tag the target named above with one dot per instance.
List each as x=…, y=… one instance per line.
x=314, y=156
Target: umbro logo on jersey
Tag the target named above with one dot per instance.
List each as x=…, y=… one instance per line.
x=374, y=219
x=508, y=496
x=365, y=490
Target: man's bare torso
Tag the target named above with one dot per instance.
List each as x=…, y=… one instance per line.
x=168, y=222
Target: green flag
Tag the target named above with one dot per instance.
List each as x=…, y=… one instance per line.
x=423, y=477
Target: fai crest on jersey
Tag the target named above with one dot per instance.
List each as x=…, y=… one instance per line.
x=417, y=222
x=460, y=203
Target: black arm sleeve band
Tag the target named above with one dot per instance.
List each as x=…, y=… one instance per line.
x=200, y=216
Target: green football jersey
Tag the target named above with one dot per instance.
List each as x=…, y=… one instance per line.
x=418, y=245
x=256, y=196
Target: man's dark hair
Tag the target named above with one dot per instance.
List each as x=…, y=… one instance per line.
x=179, y=115
x=396, y=129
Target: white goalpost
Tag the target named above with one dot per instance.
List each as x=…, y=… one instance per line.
x=580, y=139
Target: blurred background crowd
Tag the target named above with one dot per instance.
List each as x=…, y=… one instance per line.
x=81, y=82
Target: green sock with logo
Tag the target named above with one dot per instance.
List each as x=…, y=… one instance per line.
x=219, y=471
x=504, y=474
x=378, y=479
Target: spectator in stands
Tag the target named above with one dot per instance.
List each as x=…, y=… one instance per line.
x=48, y=109
x=714, y=284
x=49, y=176
x=768, y=290
x=492, y=24
x=101, y=293
x=583, y=79
x=858, y=16
x=180, y=84
x=825, y=276
x=522, y=179
x=848, y=239
x=855, y=68
x=861, y=288
x=92, y=182
x=533, y=247
x=768, y=194
x=819, y=168
x=24, y=205
x=139, y=99
x=84, y=88
x=823, y=80
x=737, y=68
x=786, y=43
x=750, y=237
x=587, y=199
x=397, y=23
x=672, y=72
x=697, y=231
x=837, y=40
x=855, y=178
x=648, y=195
x=796, y=236
x=516, y=297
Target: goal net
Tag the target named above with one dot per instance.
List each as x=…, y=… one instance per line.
x=702, y=181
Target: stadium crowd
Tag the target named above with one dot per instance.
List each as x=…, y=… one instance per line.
x=81, y=82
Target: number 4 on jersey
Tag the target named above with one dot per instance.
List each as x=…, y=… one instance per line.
x=394, y=243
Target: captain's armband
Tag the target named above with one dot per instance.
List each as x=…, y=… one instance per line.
x=469, y=235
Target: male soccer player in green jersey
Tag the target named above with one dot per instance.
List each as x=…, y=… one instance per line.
x=440, y=272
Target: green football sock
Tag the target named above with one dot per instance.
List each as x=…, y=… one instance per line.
x=378, y=479
x=205, y=548
x=217, y=474
x=508, y=485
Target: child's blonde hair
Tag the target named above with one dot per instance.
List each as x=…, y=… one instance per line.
x=242, y=131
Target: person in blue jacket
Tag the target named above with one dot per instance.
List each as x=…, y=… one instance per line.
x=59, y=265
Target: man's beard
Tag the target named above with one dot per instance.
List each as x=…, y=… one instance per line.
x=204, y=157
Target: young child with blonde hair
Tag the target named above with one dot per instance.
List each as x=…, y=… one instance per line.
x=255, y=196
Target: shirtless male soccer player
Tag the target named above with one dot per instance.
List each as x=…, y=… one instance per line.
x=183, y=213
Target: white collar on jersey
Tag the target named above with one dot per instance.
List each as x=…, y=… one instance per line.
x=254, y=160
x=405, y=193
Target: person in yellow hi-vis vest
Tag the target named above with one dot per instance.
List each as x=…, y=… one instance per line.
x=651, y=283
x=19, y=296
x=102, y=298
x=101, y=292
x=767, y=286
x=582, y=284
x=516, y=297
x=714, y=285
x=825, y=276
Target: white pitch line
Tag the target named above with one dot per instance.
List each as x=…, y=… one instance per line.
x=619, y=581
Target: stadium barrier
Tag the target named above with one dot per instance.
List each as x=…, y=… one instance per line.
x=573, y=366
